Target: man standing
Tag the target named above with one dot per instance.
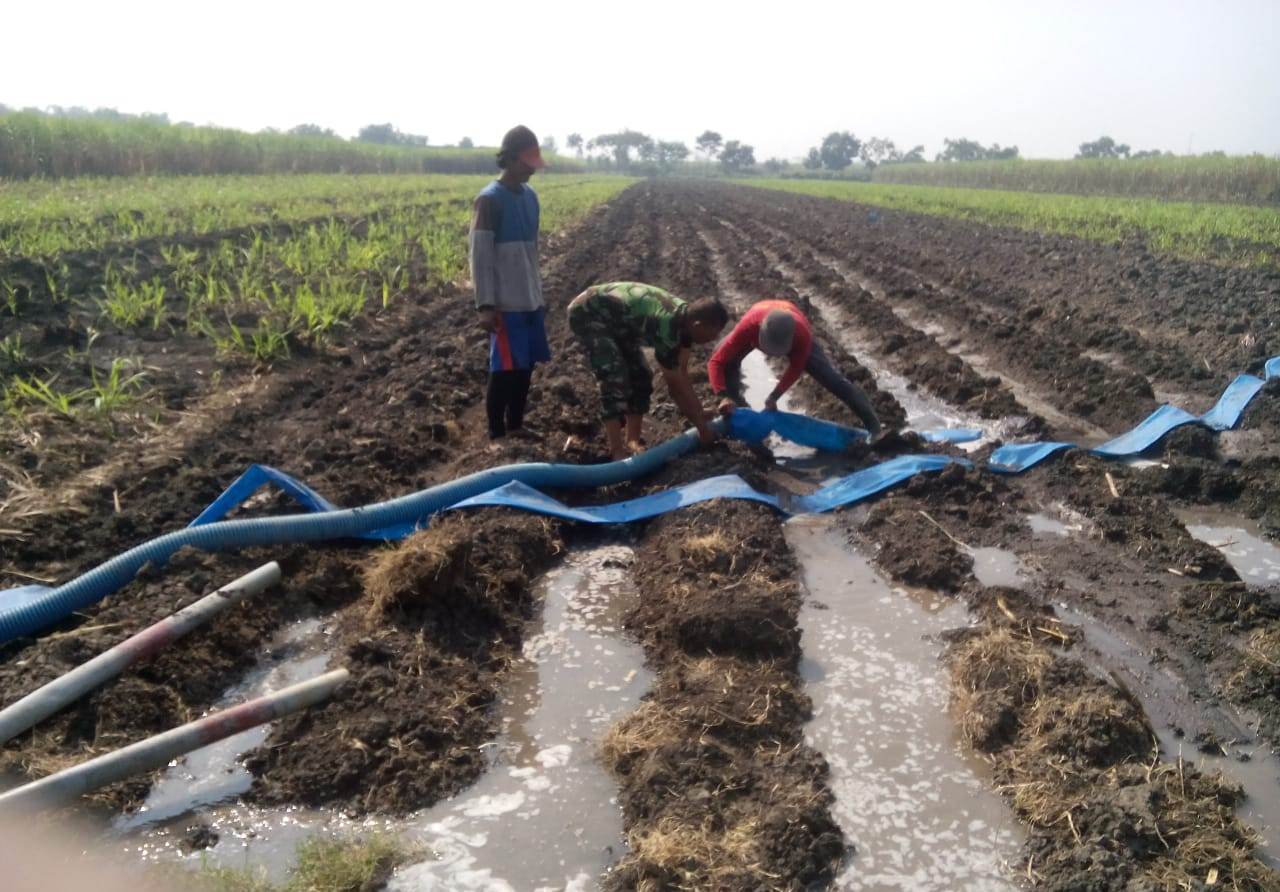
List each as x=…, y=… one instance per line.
x=613, y=321
x=508, y=288
x=778, y=328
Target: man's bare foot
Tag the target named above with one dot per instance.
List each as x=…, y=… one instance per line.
x=494, y=446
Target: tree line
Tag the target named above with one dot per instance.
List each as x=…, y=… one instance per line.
x=633, y=151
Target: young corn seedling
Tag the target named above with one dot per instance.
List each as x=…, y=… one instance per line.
x=12, y=353
x=116, y=389
x=37, y=391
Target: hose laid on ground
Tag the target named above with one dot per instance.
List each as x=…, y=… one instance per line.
x=401, y=513
x=35, y=610
x=156, y=752
x=48, y=699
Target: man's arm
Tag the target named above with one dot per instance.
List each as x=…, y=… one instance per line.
x=729, y=353
x=686, y=400
x=484, y=262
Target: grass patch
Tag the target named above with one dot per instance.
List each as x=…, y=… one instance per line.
x=1224, y=233
x=324, y=865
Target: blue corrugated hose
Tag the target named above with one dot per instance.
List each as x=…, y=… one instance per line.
x=28, y=609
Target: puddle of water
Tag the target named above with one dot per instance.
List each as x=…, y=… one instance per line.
x=1255, y=560
x=203, y=786
x=920, y=812
x=1163, y=698
x=1044, y=525
x=758, y=381
x=546, y=816
x=214, y=774
x=997, y=566
x=924, y=411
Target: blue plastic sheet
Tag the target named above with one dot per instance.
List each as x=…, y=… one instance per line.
x=752, y=427
x=257, y=476
x=408, y=513
x=849, y=490
x=1225, y=414
x=952, y=435
x=526, y=498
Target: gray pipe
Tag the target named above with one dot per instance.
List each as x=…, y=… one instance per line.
x=156, y=752
x=45, y=701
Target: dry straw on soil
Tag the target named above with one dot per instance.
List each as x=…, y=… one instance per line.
x=701, y=762
x=1077, y=759
x=451, y=559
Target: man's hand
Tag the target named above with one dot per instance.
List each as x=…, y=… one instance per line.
x=726, y=407
x=487, y=319
x=771, y=404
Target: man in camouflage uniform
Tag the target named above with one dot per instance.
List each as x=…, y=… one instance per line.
x=614, y=321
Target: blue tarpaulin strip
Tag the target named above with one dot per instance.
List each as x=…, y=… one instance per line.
x=848, y=490
x=1225, y=415
x=745, y=424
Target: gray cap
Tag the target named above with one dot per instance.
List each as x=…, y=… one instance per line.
x=777, y=332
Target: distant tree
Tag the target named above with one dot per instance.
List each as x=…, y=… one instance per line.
x=709, y=144
x=574, y=141
x=915, y=156
x=1149, y=153
x=813, y=160
x=311, y=130
x=775, y=166
x=1103, y=147
x=879, y=151
x=961, y=150
x=838, y=150
x=671, y=153
x=381, y=134
x=648, y=151
x=4, y=109
x=621, y=144
x=969, y=150
x=735, y=156
x=387, y=135
x=466, y=143
x=549, y=146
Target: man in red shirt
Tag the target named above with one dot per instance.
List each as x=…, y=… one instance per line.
x=778, y=328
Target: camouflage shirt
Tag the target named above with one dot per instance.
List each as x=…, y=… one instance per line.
x=646, y=313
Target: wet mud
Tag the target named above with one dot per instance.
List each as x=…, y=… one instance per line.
x=719, y=779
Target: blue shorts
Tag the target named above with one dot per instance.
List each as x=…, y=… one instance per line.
x=520, y=341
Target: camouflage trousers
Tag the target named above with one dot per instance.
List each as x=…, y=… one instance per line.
x=626, y=382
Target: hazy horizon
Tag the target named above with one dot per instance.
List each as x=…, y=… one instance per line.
x=1187, y=77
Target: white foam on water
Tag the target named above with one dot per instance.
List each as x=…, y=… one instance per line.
x=214, y=773
x=916, y=807
x=546, y=815
x=1255, y=560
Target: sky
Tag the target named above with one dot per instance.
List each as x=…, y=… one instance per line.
x=1180, y=75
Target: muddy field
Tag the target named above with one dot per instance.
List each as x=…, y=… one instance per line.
x=1115, y=627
